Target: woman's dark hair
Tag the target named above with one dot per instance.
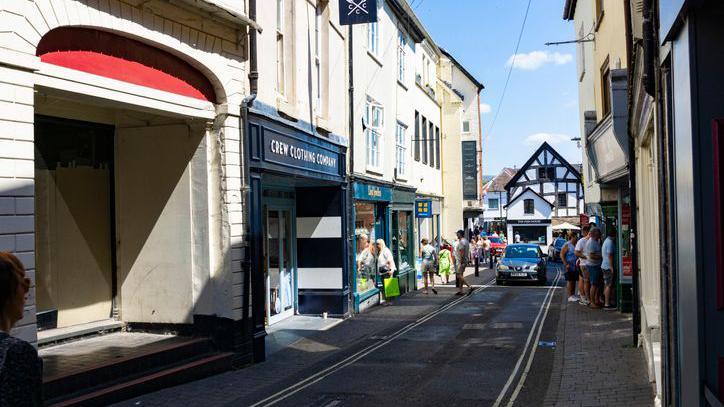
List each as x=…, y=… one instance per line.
x=11, y=270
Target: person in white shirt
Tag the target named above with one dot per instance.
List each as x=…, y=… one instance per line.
x=593, y=263
x=517, y=237
x=584, y=285
x=385, y=267
x=608, y=251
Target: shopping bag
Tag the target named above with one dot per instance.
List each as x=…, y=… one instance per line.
x=392, y=287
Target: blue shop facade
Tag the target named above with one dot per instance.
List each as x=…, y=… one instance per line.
x=382, y=211
x=298, y=224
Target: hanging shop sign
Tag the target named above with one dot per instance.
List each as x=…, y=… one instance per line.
x=470, y=170
x=529, y=221
x=357, y=12
x=423, y=208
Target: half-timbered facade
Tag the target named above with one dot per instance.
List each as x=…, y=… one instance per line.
x=549, y=175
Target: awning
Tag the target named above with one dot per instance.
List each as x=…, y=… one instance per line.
x=225, y=9
x=566, y=226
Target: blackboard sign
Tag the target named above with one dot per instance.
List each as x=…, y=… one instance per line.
x=470, y=170
x=357, y=12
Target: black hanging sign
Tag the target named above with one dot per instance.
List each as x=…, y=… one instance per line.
x=357, y=11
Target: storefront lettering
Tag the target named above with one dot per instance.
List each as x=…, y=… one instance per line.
x=301, y=154
x=374, y=192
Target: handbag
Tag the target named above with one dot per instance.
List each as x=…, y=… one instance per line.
x=392, y=287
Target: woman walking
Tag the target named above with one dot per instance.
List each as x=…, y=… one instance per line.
x=427, y=254
x=444, y=262
x=385, y=267
x=21, y=370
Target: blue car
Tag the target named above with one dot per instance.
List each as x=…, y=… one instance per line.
x=523, y=263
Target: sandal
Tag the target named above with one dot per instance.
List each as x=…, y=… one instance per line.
x=434, y=291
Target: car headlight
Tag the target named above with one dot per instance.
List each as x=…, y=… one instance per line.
x=502, y=267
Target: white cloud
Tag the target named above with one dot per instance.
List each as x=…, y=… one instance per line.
x=536, y=59
x=485, y=108
x=550, y=138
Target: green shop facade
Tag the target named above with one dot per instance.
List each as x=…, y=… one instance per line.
x=382, y=211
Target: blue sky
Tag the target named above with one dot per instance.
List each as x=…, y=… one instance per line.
x=541, y=102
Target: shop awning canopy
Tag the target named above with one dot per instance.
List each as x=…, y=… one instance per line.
x=566, y=226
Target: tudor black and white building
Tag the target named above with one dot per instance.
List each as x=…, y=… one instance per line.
x=546, y=191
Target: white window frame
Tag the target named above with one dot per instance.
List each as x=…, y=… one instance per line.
x=462, y=126
x=425, y=72
x=374, y=126
x=401, y=150
x=318, y=58
x=373, y=38
x=280, y=51
x=401, y=56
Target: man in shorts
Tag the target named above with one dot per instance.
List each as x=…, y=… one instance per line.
x=584, y=285
x=608, y=251
x=462, y=259
x=428, y=255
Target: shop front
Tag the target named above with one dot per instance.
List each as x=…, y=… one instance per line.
x=298, y=224
x=529, y=216
x=372, y=219
x=403, y=237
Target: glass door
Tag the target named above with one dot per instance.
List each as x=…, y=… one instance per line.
x=279, y=267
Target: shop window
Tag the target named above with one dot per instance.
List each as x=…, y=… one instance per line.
x=365, y=226
x=562, y=199
x=528, y=207
x=493, y=203
x=401, y=149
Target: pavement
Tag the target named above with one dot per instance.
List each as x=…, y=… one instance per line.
x=595, y=363
x=498, y=346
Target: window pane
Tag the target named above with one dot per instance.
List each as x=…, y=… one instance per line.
x=466, y=126
x=424, y=140
x=431, y=144
x=417, y=136
x=437, y=148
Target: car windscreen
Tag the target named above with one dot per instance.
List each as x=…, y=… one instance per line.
x=496, y=240
x=521, y=252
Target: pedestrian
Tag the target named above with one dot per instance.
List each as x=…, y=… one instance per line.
x=516, y=238
x=568, y=258
x=462, y=259
x=608, y=251
x=495, y=234
x=365, y=262
x=21, y=370
x=479, y=254
x=593, y=263
x=385, y=267
x=584, y=285
x=428, y=255
x=486, y=251
x=445, y=261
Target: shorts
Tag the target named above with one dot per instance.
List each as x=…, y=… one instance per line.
x=594, y=274
x=428, y=268
x=572, y=273
x=607, y=276
x=460, y=270
x=583, y=271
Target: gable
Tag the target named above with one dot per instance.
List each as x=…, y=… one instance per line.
x=545, y=155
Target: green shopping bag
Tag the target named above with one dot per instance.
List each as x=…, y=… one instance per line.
x=392, y=287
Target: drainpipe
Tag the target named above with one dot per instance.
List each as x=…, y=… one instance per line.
x=246, y=103
x=636, y=302
x=351, y=249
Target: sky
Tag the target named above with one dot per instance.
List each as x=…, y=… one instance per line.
x=541, y=101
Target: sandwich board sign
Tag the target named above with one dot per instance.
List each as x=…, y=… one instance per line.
x=357, y=12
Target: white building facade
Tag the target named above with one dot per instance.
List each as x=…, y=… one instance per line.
x=96, y=97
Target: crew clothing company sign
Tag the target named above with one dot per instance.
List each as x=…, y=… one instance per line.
x=357, y=11
x=296, y=153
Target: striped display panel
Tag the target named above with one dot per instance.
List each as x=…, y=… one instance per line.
x=320, y=251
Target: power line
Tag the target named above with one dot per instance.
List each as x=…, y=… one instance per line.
x=510, y=70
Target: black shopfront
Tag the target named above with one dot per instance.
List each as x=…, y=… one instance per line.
x=297, y=225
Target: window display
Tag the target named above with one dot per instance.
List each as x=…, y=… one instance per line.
x=365, y=262
x=405, y=248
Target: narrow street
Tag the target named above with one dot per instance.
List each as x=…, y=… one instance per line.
x=471, y=350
